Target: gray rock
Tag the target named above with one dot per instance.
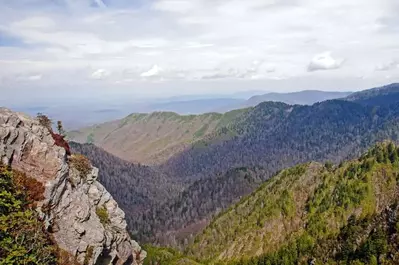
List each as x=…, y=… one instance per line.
x=72, y=200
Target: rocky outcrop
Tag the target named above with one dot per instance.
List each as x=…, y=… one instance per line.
x=82, y=216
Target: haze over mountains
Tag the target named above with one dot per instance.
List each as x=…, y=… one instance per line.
x=77, y=113
x=152, y=138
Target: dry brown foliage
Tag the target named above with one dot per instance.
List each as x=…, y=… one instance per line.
x=33, y=189
x=81, y=163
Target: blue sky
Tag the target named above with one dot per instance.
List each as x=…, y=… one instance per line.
x=105, y=48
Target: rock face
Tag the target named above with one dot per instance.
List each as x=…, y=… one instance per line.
x=82, y=216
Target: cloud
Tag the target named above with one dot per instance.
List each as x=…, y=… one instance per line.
x=257, y=69
x=324, y=61
x=387, y=66
x=178, y=6
x=35, y=77
x=153, y=72
x=35, y=22
x=100, y=74
x=100, y=3
x=193, y=40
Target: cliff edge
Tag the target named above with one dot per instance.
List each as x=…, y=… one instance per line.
x=78, y=211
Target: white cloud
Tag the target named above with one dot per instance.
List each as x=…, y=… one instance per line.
x=394, y=64
x=324, y=61
x=36, y=22
x=179, y=6
x=100, y=74
x=154, y=71
x=35, y=77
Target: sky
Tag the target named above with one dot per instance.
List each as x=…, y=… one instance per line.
x=108, y=49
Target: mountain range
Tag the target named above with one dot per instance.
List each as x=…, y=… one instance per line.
x=155, y=137
x=230, y=161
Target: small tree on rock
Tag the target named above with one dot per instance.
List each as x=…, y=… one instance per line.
x=44, y=121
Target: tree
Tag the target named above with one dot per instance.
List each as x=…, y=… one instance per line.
x=44, y=121
x=60, y=128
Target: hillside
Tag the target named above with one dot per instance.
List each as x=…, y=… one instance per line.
x=378, y=96
x=152, y=138
x=279, y=136
x=137, y=188
x=313, y=212
x=176, y=221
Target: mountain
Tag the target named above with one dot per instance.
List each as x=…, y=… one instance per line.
x=377, y=96
x=278, y=135
x=306, y=97
x=152, y=138
x=197, y=106
x=313, y=214
x=52, y=208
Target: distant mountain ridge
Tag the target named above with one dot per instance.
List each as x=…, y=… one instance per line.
x=306, y=97
x=155, y=137
x=378, y=96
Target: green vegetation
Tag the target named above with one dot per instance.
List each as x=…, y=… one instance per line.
x=201, y=132
x=102, y=214
x=90, y=138
x=313, y=213
x=22, y=237
x=166, y=256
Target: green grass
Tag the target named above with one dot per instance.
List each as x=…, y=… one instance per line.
x=102, y=214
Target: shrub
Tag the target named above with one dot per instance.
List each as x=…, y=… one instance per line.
x=81, y=163
x=102, y=214
x=60, y=128
x=34, y=190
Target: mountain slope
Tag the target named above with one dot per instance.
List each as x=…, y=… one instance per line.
x=311, y=212
x=176, y=221
x=330, y=130
x=152, y=138
x=137, y=188
x=377, y=96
